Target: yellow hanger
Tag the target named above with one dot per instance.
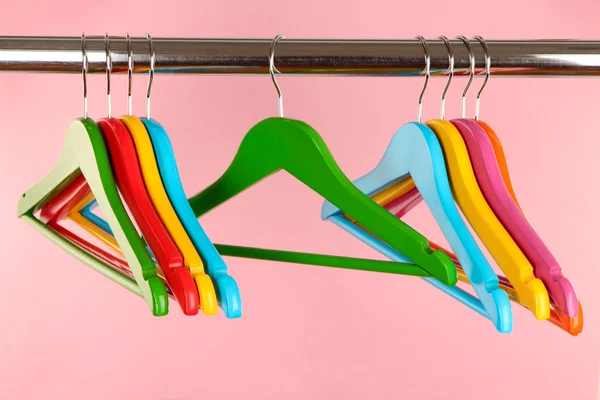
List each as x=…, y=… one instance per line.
x=530, y=290
x=162, y=204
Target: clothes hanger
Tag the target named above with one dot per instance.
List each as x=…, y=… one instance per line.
x=279, y=143
x=98, y=227
x=332, y=261
x=416, y=152
x=129, y=179
x=408, y=200
x=492, y=233
x=160, y=200
x=156, y=136
x=84, y=152
x=490, y=180
x=120, y=264
x=504, y=176
x=227, y=288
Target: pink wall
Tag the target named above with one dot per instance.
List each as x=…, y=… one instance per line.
x=307, y=332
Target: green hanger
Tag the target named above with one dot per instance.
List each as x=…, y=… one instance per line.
x=84, y=152
x=281, y=143
x=274, y=255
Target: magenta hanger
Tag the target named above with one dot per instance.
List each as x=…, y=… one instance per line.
x=499, y=199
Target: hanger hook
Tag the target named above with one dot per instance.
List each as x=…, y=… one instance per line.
x=84, y=71
x=129, y=74
x=487, y=71
x=150, y=73
x=471, y=72
x=108, y=71
x=450, y=72
x=272, y=71
x=427, y=72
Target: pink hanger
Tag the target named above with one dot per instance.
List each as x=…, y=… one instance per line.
x=573, y=325
x=490, y=180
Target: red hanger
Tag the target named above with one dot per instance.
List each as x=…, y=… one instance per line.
x=58, y=207
x=131, y=184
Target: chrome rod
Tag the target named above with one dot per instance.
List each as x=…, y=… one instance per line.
x=299, y=56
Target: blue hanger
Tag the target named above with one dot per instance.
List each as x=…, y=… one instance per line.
x=416, y=151
x=227, y=289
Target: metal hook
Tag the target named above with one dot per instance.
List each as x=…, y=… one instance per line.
x=471, y=72
x=129, y=74
x=272, y=71
x=450, y=72
x=427, y=72
x=84, y=71
x=151, y=73
x=488, y=72
x=108, y=71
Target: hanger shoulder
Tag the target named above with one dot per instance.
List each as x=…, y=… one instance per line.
x=129, y=179
x=491, y=182
x=154, y=186
x=258, y=157
x=168, y=217
x=62, y=174
x=483, y=220
x=501, y=158
x=226, y=286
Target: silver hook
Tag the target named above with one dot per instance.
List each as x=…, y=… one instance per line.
x=471, y=72
x=108, y=71
x=427, y=72
x=84, y=71
x=151, y=73
x=450, y=72
x=272, y=71
x=129, y=74
x=488, y=72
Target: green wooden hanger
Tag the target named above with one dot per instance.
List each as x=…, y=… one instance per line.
x=281, y=143
x=84, y=152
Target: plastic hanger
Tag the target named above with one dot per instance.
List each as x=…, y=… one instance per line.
x=490, y=180
x=107, y=263
x=84, y=152
x=406, y=197
x=227, y=288
x=96, y=226
x=492, y=233
x=71, y=192
x=162, y=204
x=129, y=179
x=415, y=150
x=408, y=200
x=279, y=143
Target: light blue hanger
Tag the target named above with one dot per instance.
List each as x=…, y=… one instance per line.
x=227, y=289
x=415, y=151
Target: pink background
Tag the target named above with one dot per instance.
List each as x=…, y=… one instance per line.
x=307, y=332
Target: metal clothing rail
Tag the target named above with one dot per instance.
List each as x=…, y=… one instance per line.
x=299, y=56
